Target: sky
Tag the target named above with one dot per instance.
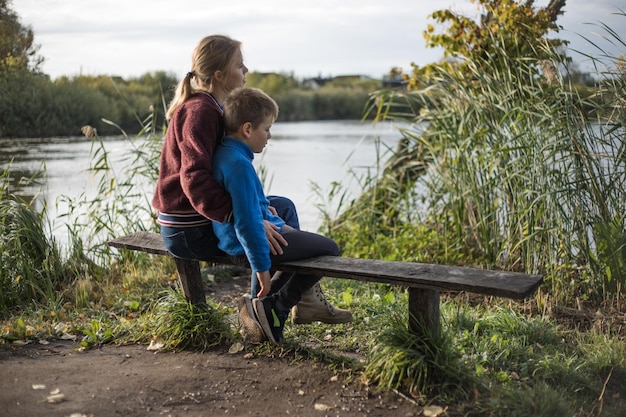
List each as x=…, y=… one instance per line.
x=301, y=37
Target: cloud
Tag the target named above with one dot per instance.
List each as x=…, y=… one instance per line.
x=308, y=38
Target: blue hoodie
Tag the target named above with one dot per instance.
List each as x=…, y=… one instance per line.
x=233, y=169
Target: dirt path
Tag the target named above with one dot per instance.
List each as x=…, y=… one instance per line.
x=132, y=381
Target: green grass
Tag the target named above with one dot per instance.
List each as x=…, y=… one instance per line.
x=179, y=325
x=491, y=358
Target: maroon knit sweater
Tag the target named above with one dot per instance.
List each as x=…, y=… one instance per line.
x=186, y=181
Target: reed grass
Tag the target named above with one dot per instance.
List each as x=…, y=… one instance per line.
x=506, y=166
x=31, y=268
x=512, y=168
x=121, y=204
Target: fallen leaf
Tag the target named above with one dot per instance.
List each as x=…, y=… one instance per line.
x=432, y=411
x=236, y=348
x=322, y=407
x=56, y=398
x=154, y=345
x=60, y=328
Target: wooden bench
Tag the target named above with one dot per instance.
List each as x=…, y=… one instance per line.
x=423, y=281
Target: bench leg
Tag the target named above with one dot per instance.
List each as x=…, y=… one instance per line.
x=191, y=280
x=423, y=311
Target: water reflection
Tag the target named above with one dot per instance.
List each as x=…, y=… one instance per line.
x=26, y=184
x=297, y=155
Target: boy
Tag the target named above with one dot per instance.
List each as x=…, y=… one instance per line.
x=248, y=117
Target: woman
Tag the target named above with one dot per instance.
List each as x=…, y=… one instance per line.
x=187, y=196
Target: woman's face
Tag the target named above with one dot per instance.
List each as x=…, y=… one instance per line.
x=236, y=74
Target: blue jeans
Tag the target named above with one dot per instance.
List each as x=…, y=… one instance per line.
x=191, y=242
x=286, y=210
x=201, y=243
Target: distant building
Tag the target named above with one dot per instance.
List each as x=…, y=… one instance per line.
x=394, y=81
x=352, y=78
x=317, y=82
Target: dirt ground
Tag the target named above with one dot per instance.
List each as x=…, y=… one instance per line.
x=58, y=380
x=132, y=381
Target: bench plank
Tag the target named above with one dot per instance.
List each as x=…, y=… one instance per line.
x=430, y=276
x=424, y=281
x=141, y=241
x=410, y=274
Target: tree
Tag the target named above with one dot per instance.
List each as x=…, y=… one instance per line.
x=17, y=49
x=272, y=83
x=510, y=27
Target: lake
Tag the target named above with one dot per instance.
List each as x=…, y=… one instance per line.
x=298, y=155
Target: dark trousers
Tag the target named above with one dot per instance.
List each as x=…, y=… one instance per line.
x=289, y=287
x=286, y=210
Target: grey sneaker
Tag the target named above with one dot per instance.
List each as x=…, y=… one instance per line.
x=271, y=324
x=250, y=326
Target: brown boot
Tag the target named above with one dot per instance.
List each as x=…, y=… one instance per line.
x=315, y=307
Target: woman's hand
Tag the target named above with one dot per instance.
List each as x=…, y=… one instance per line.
x=274, y=238
x=264, y=280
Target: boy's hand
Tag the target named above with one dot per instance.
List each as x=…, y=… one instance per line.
x=274, y=238
x=264, y=279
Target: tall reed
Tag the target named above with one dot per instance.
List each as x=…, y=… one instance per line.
x=518, y=173
x=121, y=204
x=31, y=268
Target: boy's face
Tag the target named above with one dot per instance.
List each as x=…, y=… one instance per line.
x=260, y=135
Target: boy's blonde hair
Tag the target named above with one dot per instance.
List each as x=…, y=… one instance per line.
x=248, y=105
x=213, y=53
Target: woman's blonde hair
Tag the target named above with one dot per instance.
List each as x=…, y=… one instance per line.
x=213, y=53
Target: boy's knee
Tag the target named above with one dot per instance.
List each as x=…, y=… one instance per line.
x=334, y=248
x=286, y=210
